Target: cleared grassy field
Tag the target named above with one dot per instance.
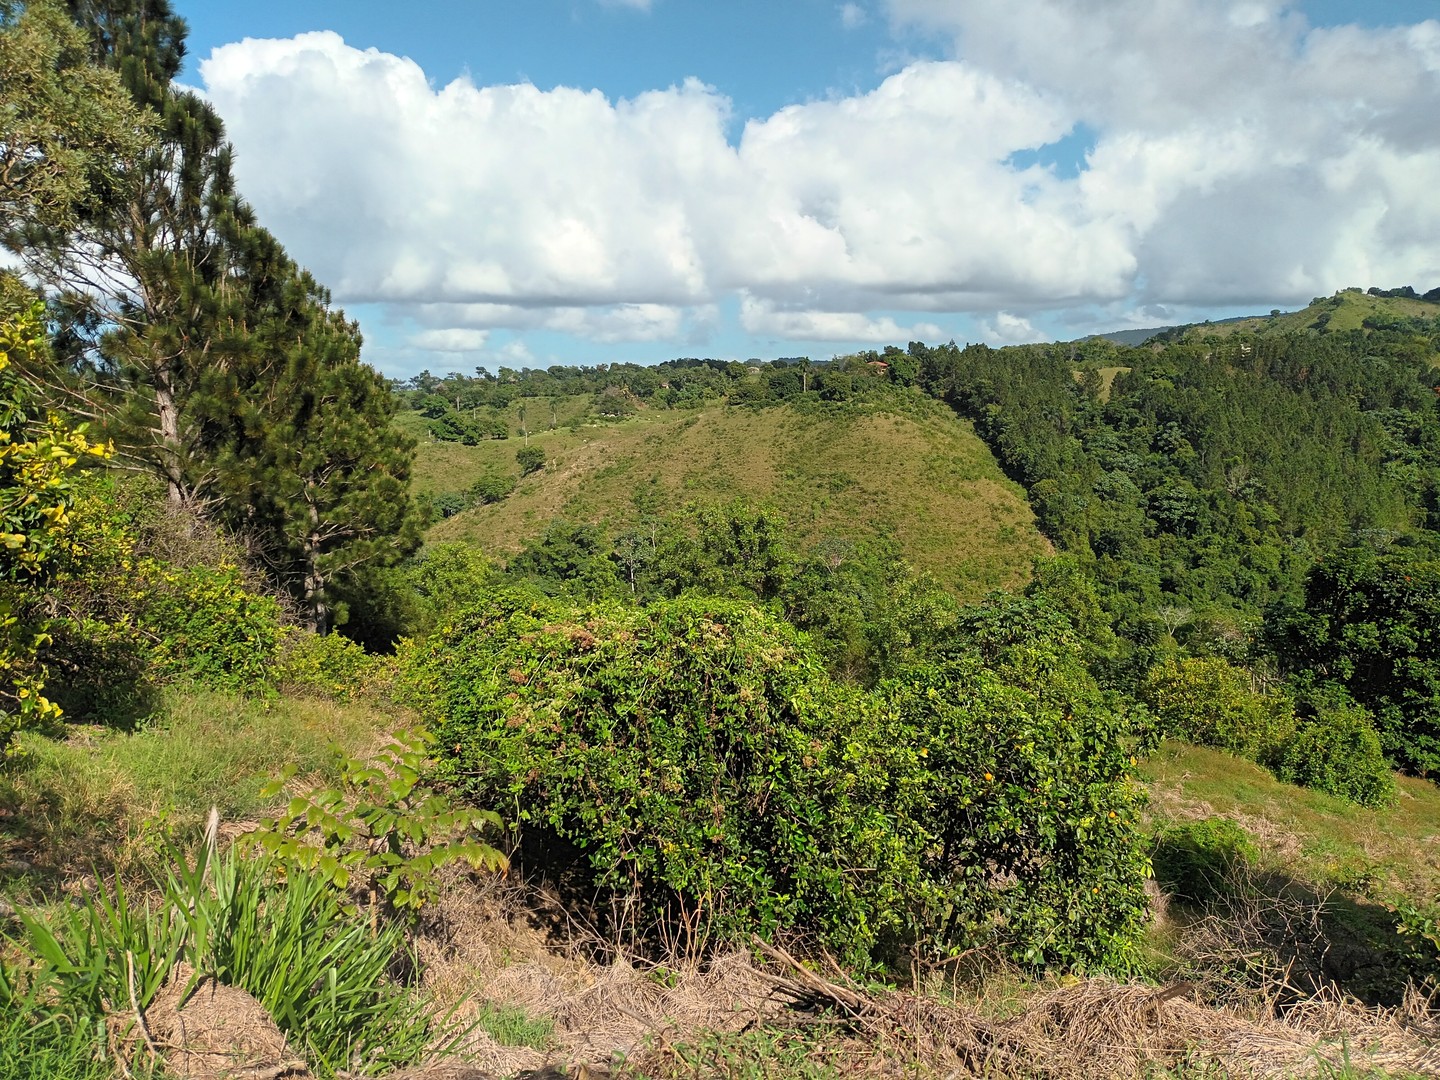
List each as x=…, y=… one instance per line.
x=919, y=476
x=1384, y=854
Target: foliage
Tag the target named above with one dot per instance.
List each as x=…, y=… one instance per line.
x=209, y=626
x=325, y=665
x=1025, y=789
x=319, y=479
x=1420, y=925
x=322, y=974
x=1370, y=624
x=490, y=488
x=694, y=751
x=1212, y=472
x=1207, y=700
x=530, y=459
x=711, y=774
x=734, y=550
x=445, y=577
x=1197, y=860
x=1338, y=751
x=70, y=127
x=868, y=613
x=381, y=828
x=134, y=620
x=214, y=362
x=569, y=558
x=38, y=492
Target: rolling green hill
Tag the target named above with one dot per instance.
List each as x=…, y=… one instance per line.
x=1348, y=309
x=918, y=474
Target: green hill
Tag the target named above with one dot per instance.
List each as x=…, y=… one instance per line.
x=1348, y=309
x=917, y=474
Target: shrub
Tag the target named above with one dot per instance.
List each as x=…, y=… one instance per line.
x=491, y=488
x=1210, y=702
x=208, y=626
x=695, y=752
x=1024, y=788
x=1338, y=751
x=136, y=621
x=446, y=577
x=447, y=504
x=382, y=829
x=1197, y=860
x=38, y=492
x=324, y=665
x=708, y=772
x=530, y=459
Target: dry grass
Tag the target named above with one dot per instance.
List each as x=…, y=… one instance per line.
x=742, y=1015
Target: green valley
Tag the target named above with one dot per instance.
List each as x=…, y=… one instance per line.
x=1054, y=710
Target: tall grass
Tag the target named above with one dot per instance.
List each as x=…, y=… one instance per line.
x=323, y=973
x=122, y=793
x=52, y=1047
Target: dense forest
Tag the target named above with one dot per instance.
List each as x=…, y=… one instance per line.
x=690, y=727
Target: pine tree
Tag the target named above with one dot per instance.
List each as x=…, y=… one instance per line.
x=144, y=278
x=318, y=477
x=206, y=353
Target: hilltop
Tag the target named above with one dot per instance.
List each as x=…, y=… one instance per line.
x=909, y=470
x=1347, y=309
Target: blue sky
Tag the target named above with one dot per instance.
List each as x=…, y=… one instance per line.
x=807, y=177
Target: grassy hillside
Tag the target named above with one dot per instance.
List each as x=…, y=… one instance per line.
x=1386, y=854
x=922, y=477
x=1346, y=310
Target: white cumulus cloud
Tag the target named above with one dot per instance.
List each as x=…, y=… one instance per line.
x=766, y=320
x=1239, y=156
x=1008, y=329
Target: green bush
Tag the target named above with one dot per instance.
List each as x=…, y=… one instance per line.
x=710, y=773
x=1198, y=860
x=449, y=576
x=210, y=627
x=324, y=665
x=695, y=752
x=1338, y=751
x=40, y=521
x=1025, y=788
x=492, y=487
x=382, y=829
x=135, y=618
x=1210, y=702
x=530, y=459
x=446, y=504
